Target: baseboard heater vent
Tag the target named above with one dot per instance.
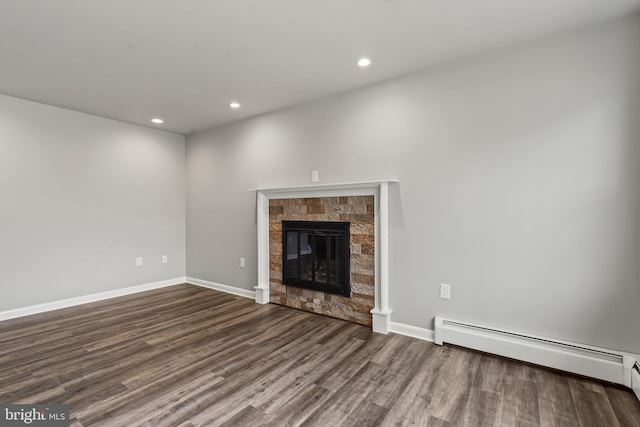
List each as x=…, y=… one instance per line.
x=615, y=367
x=635, y=379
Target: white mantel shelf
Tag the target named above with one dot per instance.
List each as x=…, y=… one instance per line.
x=321, y=187
x=379, y=189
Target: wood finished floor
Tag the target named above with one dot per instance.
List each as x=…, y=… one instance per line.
x=188, y=356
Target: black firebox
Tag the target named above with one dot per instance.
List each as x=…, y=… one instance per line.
x=316, y=255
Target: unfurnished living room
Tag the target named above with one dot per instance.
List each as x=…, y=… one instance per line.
x=320, y=213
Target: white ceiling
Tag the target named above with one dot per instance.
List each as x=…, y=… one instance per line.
x=185, y=60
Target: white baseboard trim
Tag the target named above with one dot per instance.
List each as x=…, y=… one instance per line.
x=412, y=331
x=220, y=287
x=70, y=302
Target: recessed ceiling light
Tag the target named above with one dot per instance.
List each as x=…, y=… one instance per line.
x=364, y=62
x=157, y=120
x=235, y=105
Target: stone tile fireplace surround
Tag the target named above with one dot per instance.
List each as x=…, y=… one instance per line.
x=359, y=212
x=370, y=198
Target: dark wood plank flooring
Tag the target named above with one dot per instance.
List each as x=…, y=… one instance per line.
x=188, y=356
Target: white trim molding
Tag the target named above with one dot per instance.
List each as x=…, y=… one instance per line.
x=100, y=296
x=412, y=331
x=220, y=287
x=379, y=189
x=353, y=185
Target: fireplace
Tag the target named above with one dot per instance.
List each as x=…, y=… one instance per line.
x=313, y=250
x=365, y=205
x=317, y=256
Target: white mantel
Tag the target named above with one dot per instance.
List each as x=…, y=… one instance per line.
x=379, y=189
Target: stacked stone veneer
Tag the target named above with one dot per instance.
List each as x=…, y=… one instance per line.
x=357, y=210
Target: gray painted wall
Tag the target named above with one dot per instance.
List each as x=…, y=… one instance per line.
x=81, y=198
x=519, y=174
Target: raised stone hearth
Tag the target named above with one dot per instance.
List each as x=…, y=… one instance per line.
x=359, y=212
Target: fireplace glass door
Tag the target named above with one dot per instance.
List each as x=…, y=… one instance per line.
x=317, y=256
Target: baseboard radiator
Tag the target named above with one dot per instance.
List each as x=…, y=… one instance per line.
x=607, y=365
x=635, y=379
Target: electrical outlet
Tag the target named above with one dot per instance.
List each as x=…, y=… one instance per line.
x=314, y=176
x=445, y=291
x=242, y=263
x=139, y=261
x=165, y=259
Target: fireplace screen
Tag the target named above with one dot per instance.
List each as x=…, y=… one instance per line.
x=316, y=256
